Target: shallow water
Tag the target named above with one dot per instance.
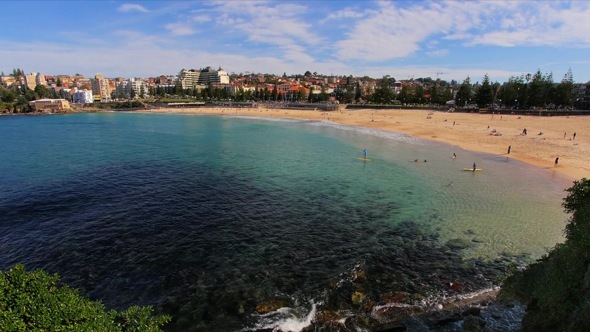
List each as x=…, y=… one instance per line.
x=206, y=217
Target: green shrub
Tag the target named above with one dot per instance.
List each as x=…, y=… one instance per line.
x=36, y=301
x=556, y=288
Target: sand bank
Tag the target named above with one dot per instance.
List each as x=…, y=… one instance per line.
x=547, y=138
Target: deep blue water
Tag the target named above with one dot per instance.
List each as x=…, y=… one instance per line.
x=207, y=217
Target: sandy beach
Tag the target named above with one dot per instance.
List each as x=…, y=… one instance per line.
x=547, y=138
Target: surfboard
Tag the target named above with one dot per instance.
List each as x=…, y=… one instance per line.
x=364, y=159
x=471, y=169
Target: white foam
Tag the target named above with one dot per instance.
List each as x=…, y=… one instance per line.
x=395, y=136
x=285, y=320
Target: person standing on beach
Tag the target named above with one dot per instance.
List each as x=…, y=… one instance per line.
x=574, y=136
x=509, y=147
x=556, y=161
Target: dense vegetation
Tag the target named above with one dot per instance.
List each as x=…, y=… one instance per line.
x=556, y=288
x=35, y=301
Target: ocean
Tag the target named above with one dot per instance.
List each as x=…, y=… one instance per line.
x=242, y=224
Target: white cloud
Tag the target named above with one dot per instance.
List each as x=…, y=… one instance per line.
x=280, y=24
x=129, y=7
x=438, y=53
x=179, y=29
x=394, y=31
x=201, y=19
x=391, y=32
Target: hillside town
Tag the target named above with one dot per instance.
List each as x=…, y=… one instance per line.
x=38, y=92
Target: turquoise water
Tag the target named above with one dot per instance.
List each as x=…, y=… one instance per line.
x=207, y=217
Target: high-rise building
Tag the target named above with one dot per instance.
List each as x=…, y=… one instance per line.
x=101, y=87
x=209, y=76
x=188, y=79
x=192, y=78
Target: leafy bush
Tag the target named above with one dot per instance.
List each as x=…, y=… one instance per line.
x=557, y=287
x=35, y=301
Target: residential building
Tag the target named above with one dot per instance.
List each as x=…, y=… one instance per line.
x=31, y=81
x=50, y=105
x=101, y=88
x=581, y=95
x=137, y=85
x=188, y=79
x=209, y=76
x=7, y=80
x=83, y=97
x=40, y=80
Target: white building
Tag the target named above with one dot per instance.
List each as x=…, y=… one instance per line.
x=210, y=75
x=83, y=97
x=137, y=85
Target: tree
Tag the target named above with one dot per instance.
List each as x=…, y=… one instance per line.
x=132, y=94
x=42, y=91
x=36, y=301
x=577, y=204
x=464, y=93
x=358, y=92
x=484, y=94
x=383, y=93
x=274, y=94
x=324, y=95
x=564, y=92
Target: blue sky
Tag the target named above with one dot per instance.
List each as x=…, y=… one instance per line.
x=403, y=39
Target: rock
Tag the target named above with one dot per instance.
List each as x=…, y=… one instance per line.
x=587, y=278
x=358, y=298
x=271, y=305
x=473, y=324
x=395, y=297
x=458, y=244
x=471, y=311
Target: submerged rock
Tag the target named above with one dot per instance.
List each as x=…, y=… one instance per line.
x=271, y=305
x=458, y=244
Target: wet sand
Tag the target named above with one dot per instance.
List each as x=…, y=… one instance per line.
x=547, y=138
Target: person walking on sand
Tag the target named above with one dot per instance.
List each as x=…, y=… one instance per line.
x=574, y=136
x=509, y=147
x=556, y=161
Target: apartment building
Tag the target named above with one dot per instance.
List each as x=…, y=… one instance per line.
x=210, y=76
x=31, y=81
x=82, y=97
x=101, y=88
x=188, y=79
x=137, y=85
x=199, y=79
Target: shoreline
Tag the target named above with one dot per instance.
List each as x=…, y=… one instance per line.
x=547, y=138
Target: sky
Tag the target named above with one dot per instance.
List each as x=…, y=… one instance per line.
x=450, y=40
